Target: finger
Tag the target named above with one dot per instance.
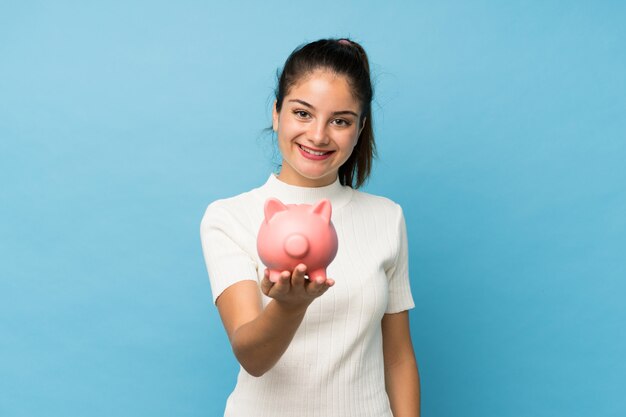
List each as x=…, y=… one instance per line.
x=316, y=284
x=297, y=278
x=320, y=285
x=266, y=284
x=326, y=285
x=282, y=285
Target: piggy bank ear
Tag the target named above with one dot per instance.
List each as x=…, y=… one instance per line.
x=323, y=209
x=273, y=206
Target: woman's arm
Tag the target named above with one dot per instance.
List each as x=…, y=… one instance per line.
x=258, y=336
x=401, y=375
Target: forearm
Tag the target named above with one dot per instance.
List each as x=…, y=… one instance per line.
x=260, y=343
x=403, y=388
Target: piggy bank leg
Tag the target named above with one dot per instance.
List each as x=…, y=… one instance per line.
x=318, y=273
x=274, y=275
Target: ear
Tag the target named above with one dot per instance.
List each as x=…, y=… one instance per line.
x=273, y=206
x=362, y=126
x=274, y=117
x=324, y=209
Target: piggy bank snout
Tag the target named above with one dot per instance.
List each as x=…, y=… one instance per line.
x=296, y=245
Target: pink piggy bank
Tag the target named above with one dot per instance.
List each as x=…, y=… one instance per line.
x=297, y=233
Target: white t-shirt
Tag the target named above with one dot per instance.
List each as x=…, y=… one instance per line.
x=334, y=364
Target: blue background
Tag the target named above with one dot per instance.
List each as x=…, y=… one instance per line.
x=501, y=130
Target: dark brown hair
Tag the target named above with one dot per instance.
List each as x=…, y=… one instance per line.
x=343, y=57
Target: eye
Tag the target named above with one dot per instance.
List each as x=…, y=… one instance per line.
x=302, y=114
x=341, y=122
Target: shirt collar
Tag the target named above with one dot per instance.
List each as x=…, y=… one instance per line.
x=339, y=195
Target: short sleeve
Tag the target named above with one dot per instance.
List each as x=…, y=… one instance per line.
x=226, y=245
x=400, y=297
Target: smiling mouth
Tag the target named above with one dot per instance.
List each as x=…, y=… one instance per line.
x=313, y=152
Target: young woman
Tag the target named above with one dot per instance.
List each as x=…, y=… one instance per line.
x=338, y=347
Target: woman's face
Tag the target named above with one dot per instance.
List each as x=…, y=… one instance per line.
x=318, y=127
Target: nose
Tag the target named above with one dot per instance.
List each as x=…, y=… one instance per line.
x=318, y=134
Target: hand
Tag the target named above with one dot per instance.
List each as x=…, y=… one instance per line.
x=293, y=290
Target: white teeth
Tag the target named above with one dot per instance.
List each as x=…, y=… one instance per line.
x=312, y=152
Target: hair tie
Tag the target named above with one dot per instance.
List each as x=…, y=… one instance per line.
x=345, y=42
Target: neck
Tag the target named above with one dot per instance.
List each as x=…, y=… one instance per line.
x=293, y=178
x=295, y=194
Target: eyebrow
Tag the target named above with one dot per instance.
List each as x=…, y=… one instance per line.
x=336, y=113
